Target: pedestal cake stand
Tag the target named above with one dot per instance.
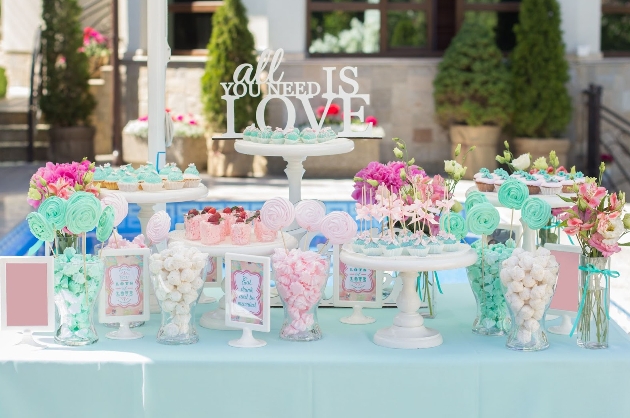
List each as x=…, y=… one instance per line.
x=408, y=330
x=215, y=319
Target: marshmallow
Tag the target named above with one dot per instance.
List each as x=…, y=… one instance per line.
x=528, y=281
x=524, y=336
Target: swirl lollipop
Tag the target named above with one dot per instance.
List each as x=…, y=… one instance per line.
x=309, y=214
x=453, y=223
x=338, y=227
x=158, y=227
x=473, y=198
x=82, y=212
x=105, y=224
x=483, y=219
x=54, y=210
x=277, y=213
x=513, y=193
x=535, y=212
x=120, y=205
x=40, y=227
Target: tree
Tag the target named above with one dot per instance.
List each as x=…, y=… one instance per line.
x=66, y=99
x=231, y=45
x=542, y=106
x=472, y=86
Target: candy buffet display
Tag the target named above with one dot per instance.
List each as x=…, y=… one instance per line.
x=289, y=136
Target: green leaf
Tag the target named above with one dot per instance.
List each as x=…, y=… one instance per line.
x=566, y=199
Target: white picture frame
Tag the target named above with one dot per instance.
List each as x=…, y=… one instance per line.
x=109, y=257
x=14, y=267
x=263, y=269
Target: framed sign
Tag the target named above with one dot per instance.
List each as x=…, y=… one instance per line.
x=125, y=294
x=247, y=296
x=27, y=294
x=215, y=272
x=356, y=286
x=565, y=298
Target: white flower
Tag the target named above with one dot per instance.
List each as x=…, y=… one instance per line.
x=449, y=166
x=522, y=163
x=611, y=236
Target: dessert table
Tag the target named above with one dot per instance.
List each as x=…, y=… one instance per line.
x=342, y=375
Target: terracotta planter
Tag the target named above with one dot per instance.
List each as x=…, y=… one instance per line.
x=72, y=143
x=485, y=138
x=540, y=147
x=182, y=151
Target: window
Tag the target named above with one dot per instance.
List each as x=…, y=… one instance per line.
x=402, y=27
x=615, y=30
x=190, y=25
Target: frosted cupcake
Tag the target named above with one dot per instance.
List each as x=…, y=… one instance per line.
x=308, y=136
x=265, y=135
x=254, y=135
x=418, y=249
x=532, y=183
x=485, y=181
x=326, y=134
x=191, y=177
x=578, y=178
x=277, y=137
x=165, y=171
x=99, y=176
x=358, y=244
x=152, y=182
x=111, y=181
x=551, y=186
x=435, y=246
x=291, y=137
x=500, y=176
x=247, y=133
x=392, y=248
x=450, y=243
x=175, y=180
x=406, y=241
x=128, y=183
x=372, y=249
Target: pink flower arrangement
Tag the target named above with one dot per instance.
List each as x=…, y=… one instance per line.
x=595, y=219
x=393, y=175
x=61, y=180
x=92, y=35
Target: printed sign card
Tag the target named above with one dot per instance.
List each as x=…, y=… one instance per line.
x=125, y=293
x=26, y=286
x=215, y=265
x=356, y=286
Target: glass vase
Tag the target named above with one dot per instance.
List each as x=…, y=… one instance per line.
x=426, y=285
x=594, y=298
x=300, y=304
x=63, y=241
x=78, y=282
x=177, y=303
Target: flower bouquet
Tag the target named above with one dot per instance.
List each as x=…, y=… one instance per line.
x=95, y=47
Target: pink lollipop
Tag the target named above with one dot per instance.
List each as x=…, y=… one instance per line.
x=309, y=214
x=277, y=213
x=338, y=227
x=158, y=227
x=119, y=204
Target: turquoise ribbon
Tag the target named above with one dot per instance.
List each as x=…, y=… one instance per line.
x=591, y=269
x=437, y=282
x=35, y=248
x=418, y=285
x=571, y=240
x=552, y=226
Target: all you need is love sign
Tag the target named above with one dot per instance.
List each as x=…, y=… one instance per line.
x=248, y=81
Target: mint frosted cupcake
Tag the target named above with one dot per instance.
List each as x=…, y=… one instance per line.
x=358, y=244
x=128, y=183
x=418, y=249
x=435, y=246
x=254, y=135
x=165, y=171
x=326, y=134
x=247, y=133
x=406, y=241
x=99, y=175
x=265, y=135
x=111, y=181
x=152, y=182
x=175, y=180
x=372, y=249
x=391, y=248
x=291, y=137
x=191, y=177
x=551, y=186
x=107, y=168
x=308, y=136
x=277, y=137
x=450, y=243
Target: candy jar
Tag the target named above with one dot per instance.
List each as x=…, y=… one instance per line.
x=78, y=281
x=300, y=279
x=178, y=276
x=528, y=281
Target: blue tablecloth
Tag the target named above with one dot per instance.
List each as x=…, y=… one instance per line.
x=343, y=375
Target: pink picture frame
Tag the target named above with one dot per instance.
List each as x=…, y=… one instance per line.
x=247, y=292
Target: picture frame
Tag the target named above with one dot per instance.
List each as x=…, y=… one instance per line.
x=565, y=298
x=214, y=274
x=247, y=296
x=27, y=294
x=124, y=297
x=350, y=292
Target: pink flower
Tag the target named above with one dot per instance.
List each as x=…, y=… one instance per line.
x=607, y=247
x=591, y=194
x=372, y=120
x=320, y=111
x=34, y=203
x=61, y=188
x=192, y=122
x=180, y=118
x=334, y=109
x=558, y=211
x=143, y=118
x=575, y=225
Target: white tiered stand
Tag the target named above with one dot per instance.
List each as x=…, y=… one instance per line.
x=408, y=330
x=216, y=319
x=152, y=202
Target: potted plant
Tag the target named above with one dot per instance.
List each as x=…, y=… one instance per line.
x=96, y=48
x=66, y=102
x=542, y=106
x=472, y=94
x=231, y=45
x=189, y=143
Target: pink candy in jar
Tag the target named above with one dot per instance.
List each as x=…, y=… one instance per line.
x=241, y=233
x=211, y=232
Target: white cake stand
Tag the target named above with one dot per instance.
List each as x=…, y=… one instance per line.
x=408, y=330
x=295, y=155
x=152, y=202
x=529, y=235
x=215, y=319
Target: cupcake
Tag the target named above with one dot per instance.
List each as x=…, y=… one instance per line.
x=152, y=182
x=450, y=243
x=532, y=183
x=392, y=249
x=191, y=177
x=111, y=181
x=551, y=186
x=308, y=136
x=358, y=244
x=485, y=182
x=265, y=135
x=326, y=134
x=435, y=246
x=372, y=249
x=241, y=233
x=107, y=168
x=175, y=180
x=277, y=137
x=291, y=137
x=99, y=176
x=254, y=135
x=578, y=178
x=406, y=241
x=128, y=183
x=482, y=172
x=418, y=249
x=247, y=133
x=165, y=171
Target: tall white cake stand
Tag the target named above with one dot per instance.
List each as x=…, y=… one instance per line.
x=215, y=319
x=295, y=155
x=152, y=202
x=408, y=330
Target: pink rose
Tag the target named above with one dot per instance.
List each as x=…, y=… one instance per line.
x=607, y=247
